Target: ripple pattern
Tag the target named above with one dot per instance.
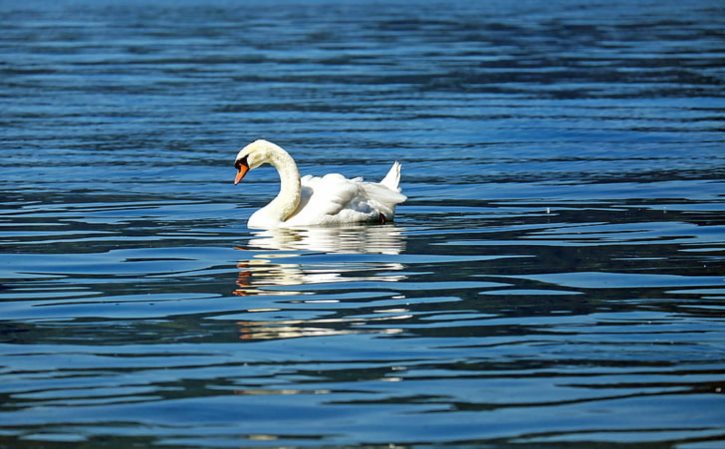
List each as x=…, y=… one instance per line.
x=556, y=278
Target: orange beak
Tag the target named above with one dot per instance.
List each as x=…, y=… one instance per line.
x=243, y=169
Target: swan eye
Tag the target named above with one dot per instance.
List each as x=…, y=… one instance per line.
x=240, y=162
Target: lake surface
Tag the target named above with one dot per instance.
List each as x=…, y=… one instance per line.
x=556, y=278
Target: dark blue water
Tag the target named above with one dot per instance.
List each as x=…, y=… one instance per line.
x=556, y=278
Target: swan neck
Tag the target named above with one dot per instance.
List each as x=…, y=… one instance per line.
x=288, y=199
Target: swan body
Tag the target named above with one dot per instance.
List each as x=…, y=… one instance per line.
x=311, y=200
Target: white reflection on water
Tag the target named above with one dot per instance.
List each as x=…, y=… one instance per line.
x=296, y=258
x=309, y=256
x=343, y=240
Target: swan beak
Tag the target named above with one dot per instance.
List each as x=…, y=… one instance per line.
x=243, y=169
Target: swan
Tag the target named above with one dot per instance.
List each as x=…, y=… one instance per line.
x=328, y=200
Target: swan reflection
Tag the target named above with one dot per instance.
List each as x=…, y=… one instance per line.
x=307, y=263
x=291, y=261
x=343, y=240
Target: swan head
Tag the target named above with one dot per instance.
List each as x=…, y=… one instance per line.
x=252, y=156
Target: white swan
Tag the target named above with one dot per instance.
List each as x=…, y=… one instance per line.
x=328, y=200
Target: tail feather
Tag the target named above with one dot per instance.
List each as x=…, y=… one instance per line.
x=382, y=198
x=392, y=179
x=385, y=195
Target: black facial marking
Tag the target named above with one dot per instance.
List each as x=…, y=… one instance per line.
x=241, y=161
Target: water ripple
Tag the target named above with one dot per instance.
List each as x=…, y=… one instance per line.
x=555, y=278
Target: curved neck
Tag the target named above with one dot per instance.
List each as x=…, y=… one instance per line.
x=285, y=204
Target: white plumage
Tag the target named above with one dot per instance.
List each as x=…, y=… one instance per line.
x=328, y=200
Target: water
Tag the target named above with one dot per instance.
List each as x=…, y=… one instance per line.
x=554, y=280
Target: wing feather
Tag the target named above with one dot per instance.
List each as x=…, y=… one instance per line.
x=335, y=199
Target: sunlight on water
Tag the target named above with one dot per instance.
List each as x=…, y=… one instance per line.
x=555, y=278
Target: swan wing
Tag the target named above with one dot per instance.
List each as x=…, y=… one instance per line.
x=330, y=194
x=334, y=199
x=392, y=179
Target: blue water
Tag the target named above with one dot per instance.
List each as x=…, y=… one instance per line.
x=556, y=278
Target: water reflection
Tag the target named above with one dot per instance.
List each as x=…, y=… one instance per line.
x=343, y=240
x=308, y=257
x=294, y=257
